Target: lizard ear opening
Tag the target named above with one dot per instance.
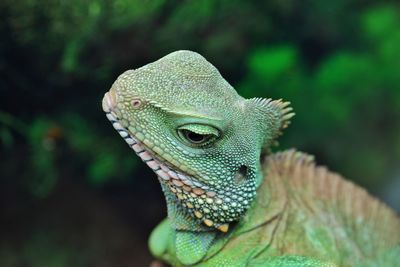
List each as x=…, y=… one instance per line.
x=272, y=115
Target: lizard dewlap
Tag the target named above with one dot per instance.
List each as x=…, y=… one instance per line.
x=204, y=143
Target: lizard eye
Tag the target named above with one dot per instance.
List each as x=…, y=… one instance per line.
x=195, y=138
x=196, y=134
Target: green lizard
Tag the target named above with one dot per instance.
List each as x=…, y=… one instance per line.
x=227, y=204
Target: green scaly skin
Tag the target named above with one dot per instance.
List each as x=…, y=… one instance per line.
x=204, y=142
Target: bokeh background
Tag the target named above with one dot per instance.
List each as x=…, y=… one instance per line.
x=73, y=194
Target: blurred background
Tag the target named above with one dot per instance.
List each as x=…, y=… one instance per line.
x=71, y=191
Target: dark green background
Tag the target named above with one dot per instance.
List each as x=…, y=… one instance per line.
x=73, y=194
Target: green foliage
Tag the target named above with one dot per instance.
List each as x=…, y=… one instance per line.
x=279, y=63
x=350, y=98
x=44, y=172
x=378, y=23
x=102, y=168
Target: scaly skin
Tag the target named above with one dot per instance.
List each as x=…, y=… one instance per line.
x=204, y=142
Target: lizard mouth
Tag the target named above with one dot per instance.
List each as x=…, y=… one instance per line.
x=199, y=200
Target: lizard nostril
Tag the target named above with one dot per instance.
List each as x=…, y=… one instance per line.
x=136, y=103
x=241, y=174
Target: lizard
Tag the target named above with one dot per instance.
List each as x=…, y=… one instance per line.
x=230, y=201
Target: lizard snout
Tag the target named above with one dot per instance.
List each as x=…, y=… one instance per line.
x=109, y=100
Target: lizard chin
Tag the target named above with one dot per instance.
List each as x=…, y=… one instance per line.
x=213, y=209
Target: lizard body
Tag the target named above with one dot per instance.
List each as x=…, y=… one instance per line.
x=225, y=208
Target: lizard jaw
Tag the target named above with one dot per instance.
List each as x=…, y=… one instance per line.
x=191, y=194
x=215, y=207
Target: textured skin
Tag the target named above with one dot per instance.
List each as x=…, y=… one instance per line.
x=204, y=142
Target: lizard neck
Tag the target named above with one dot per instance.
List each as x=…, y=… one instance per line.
x=179, y=218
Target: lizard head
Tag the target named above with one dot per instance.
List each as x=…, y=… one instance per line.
x=200, y=137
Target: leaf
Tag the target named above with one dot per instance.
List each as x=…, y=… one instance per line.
x=273, y=63
x=102, y=169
